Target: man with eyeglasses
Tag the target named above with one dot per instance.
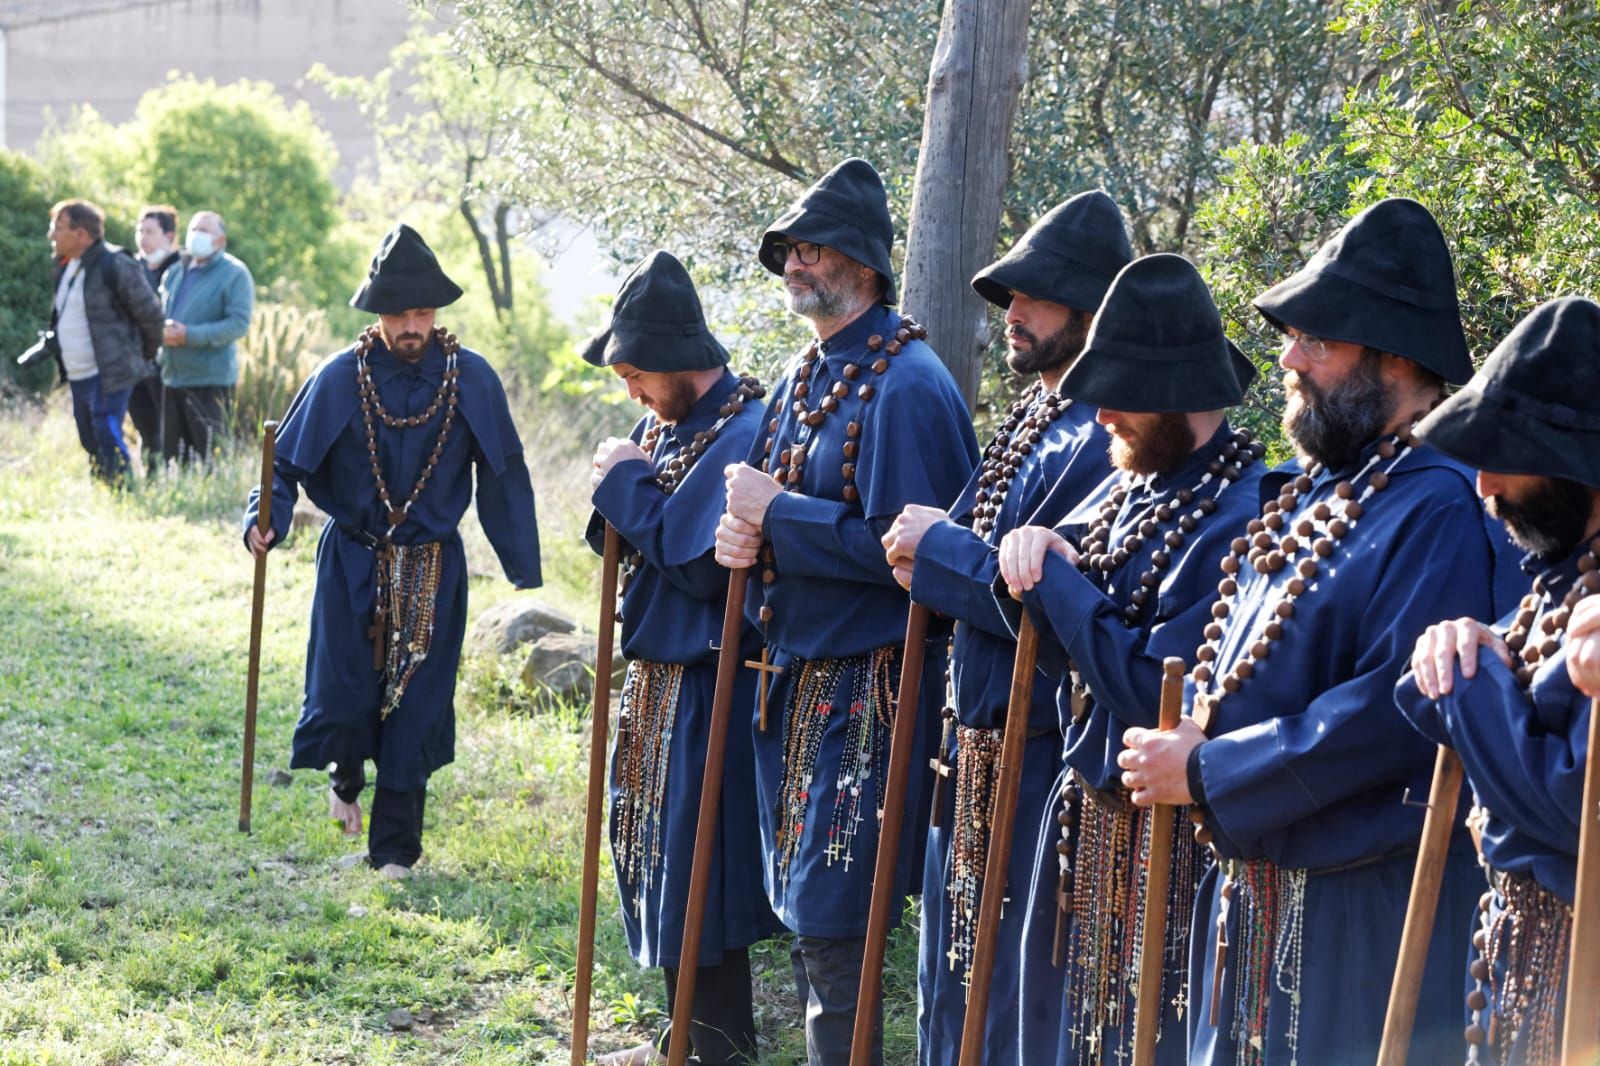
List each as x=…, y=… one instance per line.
x=864, y=422
x=1296, y=760
x=1048, y=286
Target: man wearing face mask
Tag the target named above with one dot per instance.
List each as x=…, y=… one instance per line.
x=393, y=437
x=208, y=298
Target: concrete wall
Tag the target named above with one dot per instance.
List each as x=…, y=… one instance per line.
x=56, y=56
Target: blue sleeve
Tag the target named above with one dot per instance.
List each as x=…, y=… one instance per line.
x=506, y=512
x=654, y=523
x=813, y=537
x=954, y=574
x=237, y=304
x=1525, y=760
x=1349, y=739
x=1121, y=664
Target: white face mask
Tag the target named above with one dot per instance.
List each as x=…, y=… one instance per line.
x=201, y=244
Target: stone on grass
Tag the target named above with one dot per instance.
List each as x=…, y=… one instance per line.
x=399, y=1018
x=560, y=666
x=508, y=626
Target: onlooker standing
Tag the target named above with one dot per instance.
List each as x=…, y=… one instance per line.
x=208, y=297
x=158, y=245
x=108, y=323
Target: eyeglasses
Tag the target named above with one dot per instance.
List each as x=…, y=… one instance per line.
x=1314, y=347
x=808, y=252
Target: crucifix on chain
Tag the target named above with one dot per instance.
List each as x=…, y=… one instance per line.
x=768, y=672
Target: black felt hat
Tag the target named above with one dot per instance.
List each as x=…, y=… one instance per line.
x=404, y=274
x=1534, y=407
x=848, y=211
x=1386, y=281
x=1157, y=345
x=1069, y=257
x=656, y=323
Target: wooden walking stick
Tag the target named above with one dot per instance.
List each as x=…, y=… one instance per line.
x=705, y=834
x=258, y=600
x=1415, y=935
x=1158, y=883
x=589, y=901
x=1580, y=1035
x=901, y=741
x=1002, y=819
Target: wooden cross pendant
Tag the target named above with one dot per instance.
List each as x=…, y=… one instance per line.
x=379, y=632
x=941, y=771
x=768, y=671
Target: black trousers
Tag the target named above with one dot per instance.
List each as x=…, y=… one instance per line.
x=144, y=410
x=193, y=420
x=394, y=824
x=827, y=977
x=723, y=1022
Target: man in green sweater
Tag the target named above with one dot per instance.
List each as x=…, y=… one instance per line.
x=207, y=297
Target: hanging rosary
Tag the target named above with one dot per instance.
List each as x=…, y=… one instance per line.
x=1023, y=430
x=405, y=576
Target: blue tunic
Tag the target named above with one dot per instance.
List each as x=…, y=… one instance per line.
x=322, y=447
x=1524, y=757
x=1080, y=618
x=672, y=613
x=833, y=595
x=1308, y=768
x=954, y=570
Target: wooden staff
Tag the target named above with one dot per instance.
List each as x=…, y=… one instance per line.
x=588, y=901
x=1417, y=932
x=258, y=600
x=901, y=742
x=1580, y=1035
x=1002, y=819
x=1158, y=882
x=705, y=834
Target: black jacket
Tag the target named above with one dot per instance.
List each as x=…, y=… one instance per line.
x=124, y=315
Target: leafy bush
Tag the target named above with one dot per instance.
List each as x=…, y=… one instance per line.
x=24, y=268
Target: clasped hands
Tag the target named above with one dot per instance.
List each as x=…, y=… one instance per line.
x=750, y=493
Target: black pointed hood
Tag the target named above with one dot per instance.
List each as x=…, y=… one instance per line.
x=404, y=274
x=1068, y=257
x=847, y=210
x=657, y=323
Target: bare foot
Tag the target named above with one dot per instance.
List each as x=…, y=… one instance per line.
x=643, y=1055
x=347, y=814
x=393, y=871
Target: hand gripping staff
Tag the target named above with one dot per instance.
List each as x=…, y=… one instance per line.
x=705, y=833
x=269, y=442
x=901, y=741
x=1420, y=909
x=1580, y=1036
x=584, y=979
x=1158, y=883
x=1001, y=822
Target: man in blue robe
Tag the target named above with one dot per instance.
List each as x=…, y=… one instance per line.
x=1049, y=285
x=388, y=436
x=1127, y=580
x=1295, y=757
x=661, y=488
x=865, y=421
x=1501, y=696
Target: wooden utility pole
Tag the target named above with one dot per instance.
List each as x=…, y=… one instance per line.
x=974, y=82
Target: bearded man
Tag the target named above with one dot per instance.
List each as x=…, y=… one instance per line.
x=1502, y=696
x=866, y=421
x=661, y=488
x=388, y=437
x=1049, y=285
x=1295, y=758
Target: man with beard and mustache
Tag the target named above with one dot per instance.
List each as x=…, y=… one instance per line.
x=1049, y=284
x=388, y=437
x=1295, y=758
x=1502, y=696
x=1125, y=580
x=661, y=488
x=864, y=422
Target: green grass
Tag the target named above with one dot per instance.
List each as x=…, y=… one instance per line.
x=138, y=925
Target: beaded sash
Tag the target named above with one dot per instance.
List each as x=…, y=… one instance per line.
x=644, y=747
x=1267, y=951
x=406, y=586
x=977, y=773
x=807, y=716
x=1521, y=955
x=1111, y=870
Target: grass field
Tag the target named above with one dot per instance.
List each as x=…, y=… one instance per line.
x=137, y=925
